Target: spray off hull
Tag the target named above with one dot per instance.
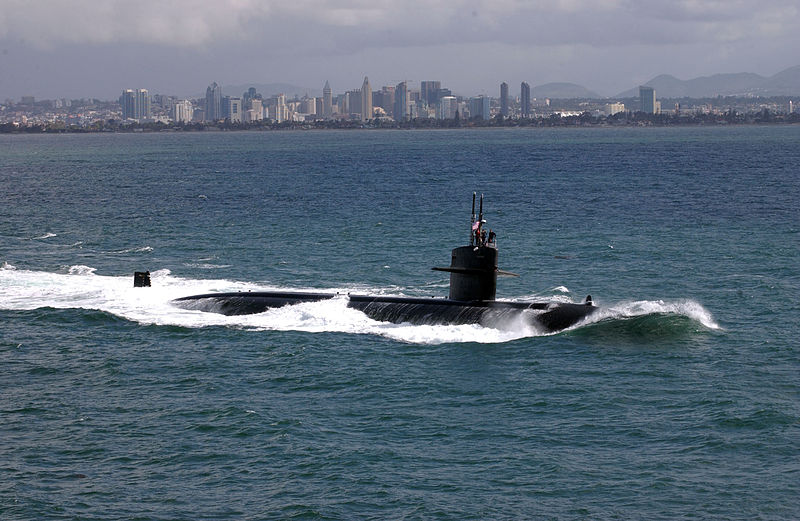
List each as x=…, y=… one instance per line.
x=545, y=316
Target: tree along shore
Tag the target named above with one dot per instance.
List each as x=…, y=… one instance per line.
x=586, y=119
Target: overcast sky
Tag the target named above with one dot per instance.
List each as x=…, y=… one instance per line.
x=96, y=48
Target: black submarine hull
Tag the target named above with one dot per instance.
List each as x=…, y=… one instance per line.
x=473, y=284
x=547, y=316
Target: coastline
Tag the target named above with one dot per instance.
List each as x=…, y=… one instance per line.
x=637, y=119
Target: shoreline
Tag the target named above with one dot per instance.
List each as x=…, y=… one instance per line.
x=583, y=121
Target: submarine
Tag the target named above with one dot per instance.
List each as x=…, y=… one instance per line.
x=472, y=300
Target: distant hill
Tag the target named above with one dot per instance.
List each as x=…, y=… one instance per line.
x=563, y=91
x=267, y=90
x=785, y=83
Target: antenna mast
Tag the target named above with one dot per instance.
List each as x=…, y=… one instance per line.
x=472, y=222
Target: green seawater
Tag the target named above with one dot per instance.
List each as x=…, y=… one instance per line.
x=679, y=401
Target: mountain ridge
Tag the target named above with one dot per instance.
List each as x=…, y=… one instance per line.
x=783, y=83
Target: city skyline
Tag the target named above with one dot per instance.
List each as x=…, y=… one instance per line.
x=81, y=49
x=785, y=83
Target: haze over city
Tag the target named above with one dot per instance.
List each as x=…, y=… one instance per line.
x=84, y=48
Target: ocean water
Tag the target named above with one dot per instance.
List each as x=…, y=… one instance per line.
x=679, y=400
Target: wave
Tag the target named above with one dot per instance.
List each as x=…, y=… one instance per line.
x=633, y=309
x=646, y=321
x=81, y=270
x=143, y=249
x=206, y=265
x=82, y=288
x=45, y=236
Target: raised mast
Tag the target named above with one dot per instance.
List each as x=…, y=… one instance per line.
x=472, y=223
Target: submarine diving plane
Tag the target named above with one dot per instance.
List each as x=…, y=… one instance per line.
x=473, y=283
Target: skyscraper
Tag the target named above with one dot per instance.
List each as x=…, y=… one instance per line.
x=128, y=103
x=479, y=107
x=446, y=109
x=213, y=102
x=281, y=110
x=401, y=101
x=429, y=91
x=366, y=100
x=327, y=101
x=504, y=99
x=525, y=100
x=233, y=109
x=135, y=104
x=647, y=96
x=352, y=103
x=255, y=112
x=142, y=104
x=182, y=111
x=387, y=102
x=308, y=106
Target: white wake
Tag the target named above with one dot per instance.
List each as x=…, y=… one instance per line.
x=82, y=288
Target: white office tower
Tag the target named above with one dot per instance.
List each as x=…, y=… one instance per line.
x=366, y=100
x=447, y=107
x=182, y=111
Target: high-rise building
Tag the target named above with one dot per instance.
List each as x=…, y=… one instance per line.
x=647, y=97
x=479, y=107
x=525, y=100
x=366, y=100
x=446, y=109
x=401, y=101
x=340, y=104
x=613, y=108
x=128, y=103
x=308, y=106
x=255, y=111
x=213, y=102
x=135, y=104
x=387, y=99
x=143, y=103
x=281, y=111
x=163, y=101
x=352, y=103
x=429, y=91
x=224, y=106
x=504, y=99
x=182, y=111
x=327, y=101
x=233, y=109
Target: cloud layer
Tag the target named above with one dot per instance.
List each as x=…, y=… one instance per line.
x=350, y=24
x=607, y=45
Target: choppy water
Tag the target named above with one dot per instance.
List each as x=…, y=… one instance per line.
x=678, y=401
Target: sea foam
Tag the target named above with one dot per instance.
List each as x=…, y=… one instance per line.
x=82, y=288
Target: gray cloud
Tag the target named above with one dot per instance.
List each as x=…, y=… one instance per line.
x=576, y=40
x=185, y=23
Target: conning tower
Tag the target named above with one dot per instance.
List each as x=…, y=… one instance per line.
x=473, y=269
